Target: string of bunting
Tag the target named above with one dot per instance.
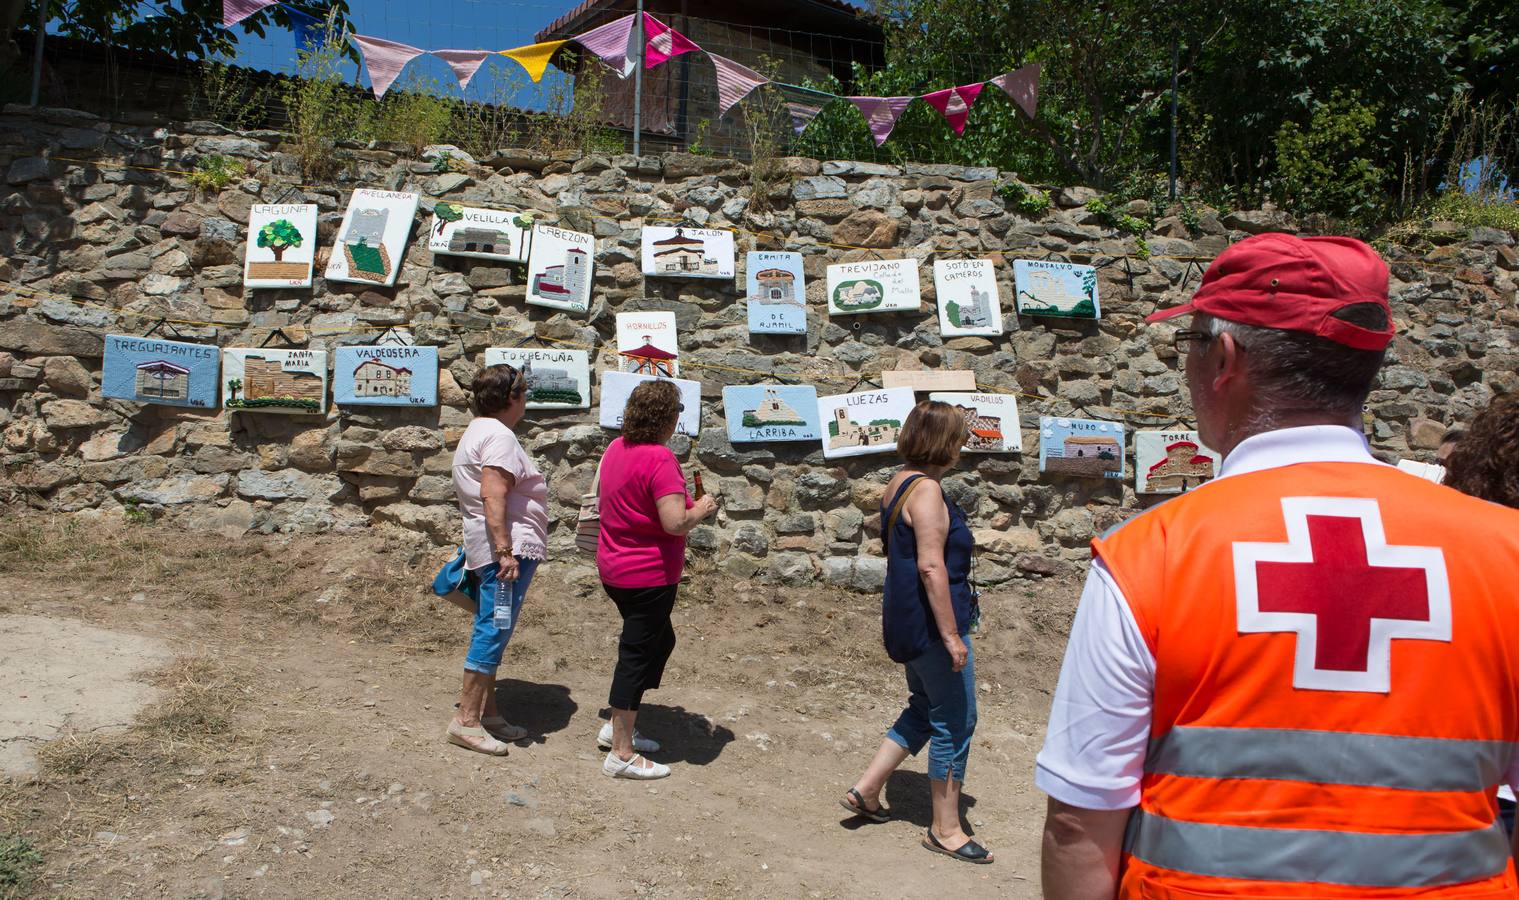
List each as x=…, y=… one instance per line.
x=621, y=45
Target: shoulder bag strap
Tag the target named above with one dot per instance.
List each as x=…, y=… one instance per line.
x=896, y=508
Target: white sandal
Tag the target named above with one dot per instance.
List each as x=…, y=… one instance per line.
x=629, y=768
x=640, y=743
x=476, y=739
x=501, y=729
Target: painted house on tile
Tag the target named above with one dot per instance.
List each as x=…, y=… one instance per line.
x=848, y=433
x=776, y=286
x=985, y=432
x=268, y=379
x=685, y=255
x=648, y=359
x=567, y=280
x=1185, y=467
x=163, y=381
x=374, y=378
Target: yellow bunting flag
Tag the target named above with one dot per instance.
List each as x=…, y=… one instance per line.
x=534, y=57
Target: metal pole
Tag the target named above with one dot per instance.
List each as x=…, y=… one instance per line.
x=638, y=81
x=37, y=56
x=1175, y=60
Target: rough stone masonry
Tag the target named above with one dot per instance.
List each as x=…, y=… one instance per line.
x=98, y=235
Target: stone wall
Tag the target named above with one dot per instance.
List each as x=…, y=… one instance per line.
x=113, y=244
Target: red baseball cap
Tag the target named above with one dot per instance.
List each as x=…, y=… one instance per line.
x=1294, y=284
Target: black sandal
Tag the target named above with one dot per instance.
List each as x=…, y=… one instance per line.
x=971, y=852
x=879, y=814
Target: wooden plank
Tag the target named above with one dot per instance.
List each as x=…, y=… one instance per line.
x=930, y=379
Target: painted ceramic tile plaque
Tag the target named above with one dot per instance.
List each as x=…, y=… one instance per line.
x=771, y=412
x=281, y=245
x=776, y=293
x=149, y=370
x=881, y=285
x=275, y=381
x=372, y=239
x=617, y=387
x=646, y=343
x=687, y=252
x=559, y=267
x=1171, y=462
x=1086, y=447
x=1056, y=289
x=459, y=230
x=385, y=375
x=991, y=421
x=556, y=379
x=863, y=422
x=967, y=294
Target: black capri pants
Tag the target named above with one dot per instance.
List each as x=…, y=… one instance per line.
x=648, y=639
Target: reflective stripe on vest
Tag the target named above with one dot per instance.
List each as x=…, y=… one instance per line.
x=1357, y=859
x=1330, y=757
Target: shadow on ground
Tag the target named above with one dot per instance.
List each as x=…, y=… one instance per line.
x=542, y=709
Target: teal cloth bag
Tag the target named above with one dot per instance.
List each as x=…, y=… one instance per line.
x=455, y=584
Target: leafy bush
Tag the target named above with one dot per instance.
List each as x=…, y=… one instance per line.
x=413, y=113
x=214, y=172
x=323, y=109
x=1325, y=166
x=228, y=95
x=18, y=860
x=1029, y=201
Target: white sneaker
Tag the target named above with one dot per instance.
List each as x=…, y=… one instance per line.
x=629, y=768
x=640, y=743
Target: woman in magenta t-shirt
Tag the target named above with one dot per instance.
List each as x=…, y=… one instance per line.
x=645, y=515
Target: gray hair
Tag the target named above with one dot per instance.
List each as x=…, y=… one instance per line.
x=1298, y=372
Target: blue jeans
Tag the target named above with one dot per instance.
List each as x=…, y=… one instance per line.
x=489, y=639
x=941, y=711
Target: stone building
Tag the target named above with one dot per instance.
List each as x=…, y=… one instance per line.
x=367, y=225
x=267, y=379
x=1183, y=468
x=477, y=239
x=1082, y=446
x=977, y=313
x=985, y=432
x=567, y=281
x=776, y=286
x=774, y=411
x=683, y=254
x=373, y=378
x=852, y=434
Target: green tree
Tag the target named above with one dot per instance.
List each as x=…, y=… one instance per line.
x=278, y=236
x=446, y=212
x=233, y=386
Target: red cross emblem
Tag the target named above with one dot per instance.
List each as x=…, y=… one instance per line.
x=1344, y=590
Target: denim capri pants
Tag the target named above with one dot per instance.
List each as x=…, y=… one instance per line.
x=488, y=641
x=941, y=711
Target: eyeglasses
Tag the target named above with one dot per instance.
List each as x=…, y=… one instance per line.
x=1185, y=341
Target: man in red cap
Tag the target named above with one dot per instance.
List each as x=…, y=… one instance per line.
x=1298, y=680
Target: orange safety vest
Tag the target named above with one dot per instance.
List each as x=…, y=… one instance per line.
x=1336, y=686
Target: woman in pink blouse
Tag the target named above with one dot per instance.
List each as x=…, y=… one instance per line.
x=504, y=500
x=645, y=515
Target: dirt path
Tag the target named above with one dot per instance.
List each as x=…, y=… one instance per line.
x=329, y=773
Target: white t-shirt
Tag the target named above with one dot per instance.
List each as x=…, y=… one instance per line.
x=1099, y=727
x=487, y=442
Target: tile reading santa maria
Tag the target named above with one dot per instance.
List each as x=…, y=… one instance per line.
x=556, y=379
x=687, y=252
x=776, y=293
x=1046, y=288
x=1171, y=462
x=646, y=343
x=1090, y=448
x=771, y=412
x=967, y=294
x=149, y=370
x=275, y=381
x=863, y=422
x=459, y=230
x=385, y=375
x=372, y=239
x=281, y=245
x=881, y=285
x=617, y=387
x=559, y=268
x=991, y=420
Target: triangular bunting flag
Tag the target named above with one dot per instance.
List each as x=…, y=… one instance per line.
x=234, y=11
x=534, y=57
x=664, y=42
x=734, y=82
x=307, y=28
x=384, y=60
x=465, y=63
x=803, y=112
x=614, y=42
x=954, y=104
x=1022, y=87
x=881, y=114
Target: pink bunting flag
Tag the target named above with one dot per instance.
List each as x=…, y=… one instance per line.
x=384, y=60
x=954, y=104
x=664, y=42
x=881, y=114
x=734, y=82
x=802, y=113
x=234, y=11
x=1022, y=87
x=465, y=63
x=615, y=42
